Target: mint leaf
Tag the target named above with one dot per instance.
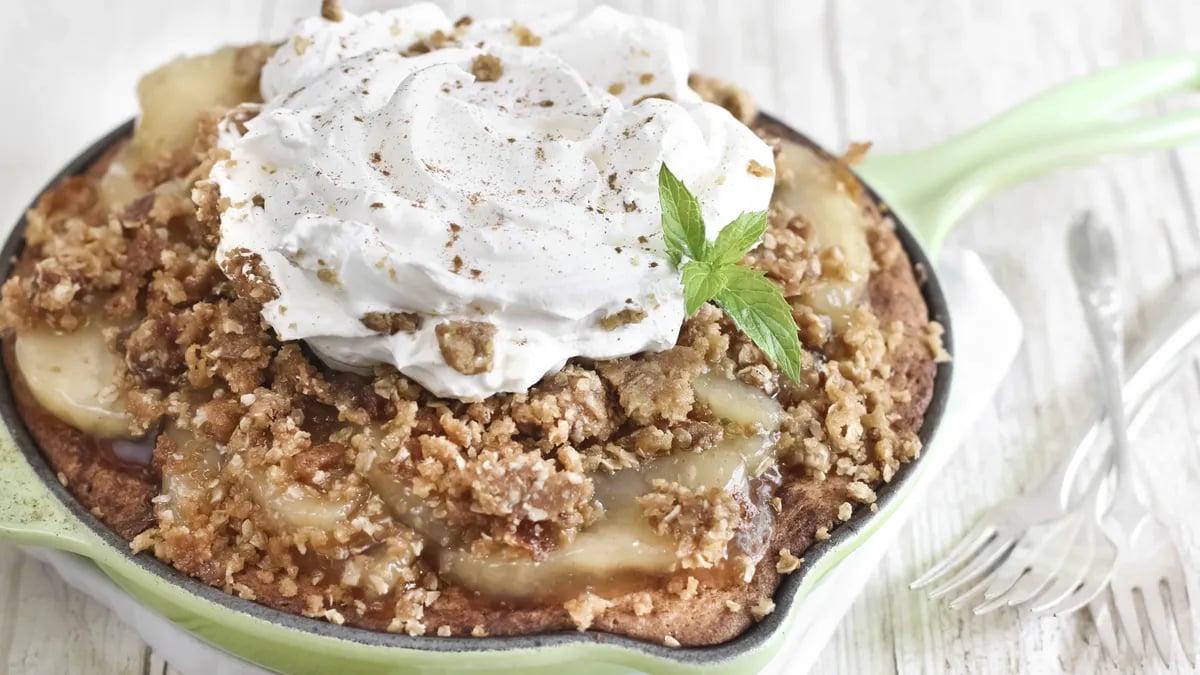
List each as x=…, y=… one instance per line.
x=701, y=283
x=758, y=309
x=753, y=302
x=738, y=237
x=682, y=221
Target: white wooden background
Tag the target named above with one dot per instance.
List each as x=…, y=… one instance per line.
x=901, y=74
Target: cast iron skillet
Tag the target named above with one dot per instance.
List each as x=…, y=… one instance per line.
x=749, y=641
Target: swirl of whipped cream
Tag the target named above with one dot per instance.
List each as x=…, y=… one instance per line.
x=503, y=182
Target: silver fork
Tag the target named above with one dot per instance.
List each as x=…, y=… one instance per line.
x=1146, y=564
x=1038, y=527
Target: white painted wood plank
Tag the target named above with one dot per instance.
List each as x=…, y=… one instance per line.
x=61, y=631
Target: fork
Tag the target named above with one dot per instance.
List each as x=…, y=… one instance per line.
x=1042, y=530
x=1146, y=563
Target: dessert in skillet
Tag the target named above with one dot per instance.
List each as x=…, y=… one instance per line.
x=469, y=328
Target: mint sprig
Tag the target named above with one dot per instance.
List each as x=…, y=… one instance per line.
x=713, y=272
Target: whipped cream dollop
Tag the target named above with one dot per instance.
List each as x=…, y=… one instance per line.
x=406, y=173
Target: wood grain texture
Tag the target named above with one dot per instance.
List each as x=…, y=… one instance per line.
x=901, y=74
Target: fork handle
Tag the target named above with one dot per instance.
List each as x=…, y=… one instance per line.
x=1092, y=253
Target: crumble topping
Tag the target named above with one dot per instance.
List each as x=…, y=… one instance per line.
x=702, y=523
x=762, y=609
x=585, y=609
x=467, y=345
x=390, y=323
x=624, y=317
x=487, y=68
x=787, y=563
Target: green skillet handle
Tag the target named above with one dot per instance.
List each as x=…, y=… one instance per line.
x=30, y=514
x=931, y=189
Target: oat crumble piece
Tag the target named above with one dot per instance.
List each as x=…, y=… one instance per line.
x=390, y=323
x=487, y=68
x=643, y=604
x=525, y=37
x=734, y=99
x=822, y=534
x=625, y=317
x=845, y=511
x=762, y=609
x=701, y=523
x=933, y=338
x=331, y=10
x=585, y=608
x=787, y=563
x=754, y=168
x=466, y=345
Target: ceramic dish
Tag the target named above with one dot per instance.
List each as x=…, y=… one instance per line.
x=926, y=192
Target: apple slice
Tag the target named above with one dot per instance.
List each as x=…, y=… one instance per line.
x=74, y=376
x=835, y=219
x=293, y=505
x=173, y=96
x=623, y=542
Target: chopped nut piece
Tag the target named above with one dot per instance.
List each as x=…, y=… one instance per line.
x=390, y=323
x=670, y=641
x=479, y=631
x=733, y=606
x=467, y=345
x=822, y=534
x=444, y=631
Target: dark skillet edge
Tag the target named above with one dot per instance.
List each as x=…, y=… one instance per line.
x=753, y=639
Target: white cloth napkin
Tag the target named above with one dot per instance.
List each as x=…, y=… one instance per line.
x=986, y=336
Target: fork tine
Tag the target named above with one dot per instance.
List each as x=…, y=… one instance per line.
x=1160, y=624
x=980, y=564
x=1127, y=615
x=1072, y=591
x=971, y=594
x=989, y=606
x=1177, y=590
x=961, y=552
x=1080, y=598
x=1102, y=615
x=1028, y=587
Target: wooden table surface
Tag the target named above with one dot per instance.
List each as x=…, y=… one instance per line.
x=901, y=74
